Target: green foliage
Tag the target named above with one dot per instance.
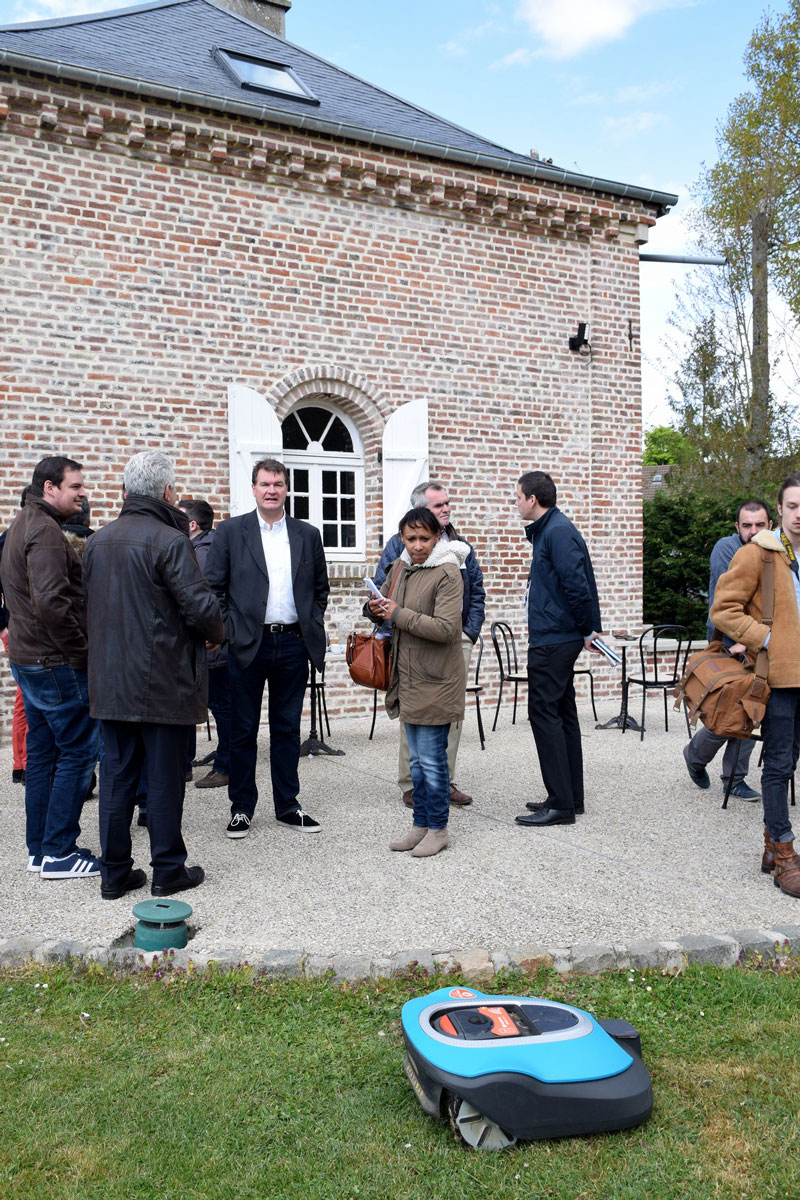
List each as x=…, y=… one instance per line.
x=758, y=165
x=664, y=445
x=225, y=1087
x=680, y=529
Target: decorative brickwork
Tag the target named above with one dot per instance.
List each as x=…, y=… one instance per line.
x=155, y=254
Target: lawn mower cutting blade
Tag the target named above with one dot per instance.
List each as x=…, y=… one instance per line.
x=517, y=1068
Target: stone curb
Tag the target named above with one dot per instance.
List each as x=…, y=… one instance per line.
x=477, y=965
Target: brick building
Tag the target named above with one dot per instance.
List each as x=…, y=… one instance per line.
x=218, y=244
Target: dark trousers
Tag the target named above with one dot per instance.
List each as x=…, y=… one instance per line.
x=128, y=745
x=780, y=730
x=554, y=721
x=281, y=663
x=219, y=701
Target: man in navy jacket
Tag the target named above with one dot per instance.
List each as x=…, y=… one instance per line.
x=434, y=496
x=563, y=620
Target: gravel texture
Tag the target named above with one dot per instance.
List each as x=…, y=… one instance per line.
x=653, y=860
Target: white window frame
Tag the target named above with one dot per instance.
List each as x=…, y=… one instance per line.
x=315, y=461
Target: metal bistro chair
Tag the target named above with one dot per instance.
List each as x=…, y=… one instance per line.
x=475, y=689
x=587, y=671
x=659, y=676
x=506, y=650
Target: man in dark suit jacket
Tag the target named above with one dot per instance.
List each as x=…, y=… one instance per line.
x=269, y=573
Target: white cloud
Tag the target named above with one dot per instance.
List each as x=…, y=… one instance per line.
x=517, y=58
x=619, y=129
x=48, y=10
x=457, y=46
x=570, y=27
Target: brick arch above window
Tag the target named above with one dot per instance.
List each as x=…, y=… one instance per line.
x=358, y=397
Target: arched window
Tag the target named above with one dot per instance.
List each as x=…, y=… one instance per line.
x=323, y=455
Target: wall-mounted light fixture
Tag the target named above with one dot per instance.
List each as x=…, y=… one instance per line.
x=578, y=341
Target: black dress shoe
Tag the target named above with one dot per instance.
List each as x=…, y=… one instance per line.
x=540, y=806
x=191, y=877
x=547, y=816
x=136, y=879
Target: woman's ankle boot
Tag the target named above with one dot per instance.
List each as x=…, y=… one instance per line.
x=787, y=868
x=413, y=838
x=434, y=841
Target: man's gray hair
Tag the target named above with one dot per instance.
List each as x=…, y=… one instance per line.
x=149, y=474
x=418, y=494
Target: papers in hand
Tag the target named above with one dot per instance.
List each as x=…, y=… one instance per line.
x=609, y=653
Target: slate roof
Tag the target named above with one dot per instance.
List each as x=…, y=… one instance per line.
x=165, y=49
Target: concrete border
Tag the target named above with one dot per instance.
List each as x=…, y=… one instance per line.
x=477, y=965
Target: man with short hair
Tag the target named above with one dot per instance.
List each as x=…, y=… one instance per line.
x=270, y=575
x=738, y=611
x=433, y=495
x=42, y=584
x=563, y=620
x=201, y=532
x=751, y=517
x=151, y=613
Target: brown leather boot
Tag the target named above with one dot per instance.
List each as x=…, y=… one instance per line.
x=768, y=857
x=787, y=868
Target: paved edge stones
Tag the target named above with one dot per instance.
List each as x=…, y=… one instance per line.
x=475, y=964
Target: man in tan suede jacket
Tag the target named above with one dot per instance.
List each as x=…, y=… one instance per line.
x=737, y=611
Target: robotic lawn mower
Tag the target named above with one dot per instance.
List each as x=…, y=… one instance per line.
x=516, y=1068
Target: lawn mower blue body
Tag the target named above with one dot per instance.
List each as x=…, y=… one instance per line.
x=508, y=1068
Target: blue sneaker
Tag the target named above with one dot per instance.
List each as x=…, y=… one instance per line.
x=743, y=791
x=78, y=865
x=35, y=863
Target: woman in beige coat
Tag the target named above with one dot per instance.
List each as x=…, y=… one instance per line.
x=422, y=597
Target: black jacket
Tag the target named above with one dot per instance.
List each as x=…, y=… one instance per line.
x=562, y=595
x=237, y=571
x=150, y=615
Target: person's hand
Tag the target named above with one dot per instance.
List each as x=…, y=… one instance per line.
x=588, y=643
x=738, y=648
x=380, y=606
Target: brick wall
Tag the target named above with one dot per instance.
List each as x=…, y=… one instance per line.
x=153, y=255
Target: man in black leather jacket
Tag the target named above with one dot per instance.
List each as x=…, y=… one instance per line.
x=150, y=613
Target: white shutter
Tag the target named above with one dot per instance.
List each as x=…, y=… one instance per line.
x=405, y=460
x=253, y=432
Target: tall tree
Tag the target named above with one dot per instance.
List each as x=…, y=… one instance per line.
x=751, y=208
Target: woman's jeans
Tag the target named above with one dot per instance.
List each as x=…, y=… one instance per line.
x=427, y=749
x=63, y=744
x=780, y=730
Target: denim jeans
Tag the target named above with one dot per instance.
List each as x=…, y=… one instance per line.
x=430, y=775
x=736, y=760
x=63, y=744
x=780, y=730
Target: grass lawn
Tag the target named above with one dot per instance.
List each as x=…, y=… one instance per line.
x=166, y=1085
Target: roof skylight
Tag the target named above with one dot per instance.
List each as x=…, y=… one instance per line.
x=261, y=75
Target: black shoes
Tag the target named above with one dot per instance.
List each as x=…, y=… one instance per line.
x=191, y=877
x=539, y=807
x=698, y=776
x=135, y=880
x=301, y=821
x=547, y=816
x=239, y=825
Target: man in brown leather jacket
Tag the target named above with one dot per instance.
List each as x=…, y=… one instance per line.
x=47, y=649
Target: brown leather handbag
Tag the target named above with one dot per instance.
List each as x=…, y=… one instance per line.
x=368, y=657
x=727, y=694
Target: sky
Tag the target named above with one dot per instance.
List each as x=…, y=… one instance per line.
x=630, y=90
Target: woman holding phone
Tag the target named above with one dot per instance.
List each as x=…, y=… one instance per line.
x=428, y=681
